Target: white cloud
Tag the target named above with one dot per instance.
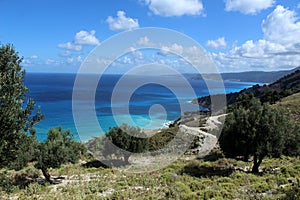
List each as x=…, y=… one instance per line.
x=145, y=41
x=52, y=62
x=281, y=26
x=228, y=62
x=121, y=22
x=70, y=60
x=34, y=57
x=26, y=62
x=81, y=38
x=217, y=44
x=189, y=52
x=86, y=38
x=138, y=55
x=279, y=49
x=31, y=60
x=248, y=6
x=170, y=8
x=65, y=54
x=126, y=60
x=79, y=59
x=70, y=46
x=174, y=48
x=257, y=55
x=259, y=49
x=74, y=61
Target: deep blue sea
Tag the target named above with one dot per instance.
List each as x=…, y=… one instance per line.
x=53, y=94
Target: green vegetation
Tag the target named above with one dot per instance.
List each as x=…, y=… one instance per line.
x=292, y=104
x=128, y=139
x=163, y=137
x=289, y=81
x=59, y=148
x=18, y=145
x=195, y=179
x=16, y=113
x=257, y=130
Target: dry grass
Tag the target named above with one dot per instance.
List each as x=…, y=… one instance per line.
x=292, y=104
x=184, y=179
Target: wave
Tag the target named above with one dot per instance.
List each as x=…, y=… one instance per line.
x=167, y=124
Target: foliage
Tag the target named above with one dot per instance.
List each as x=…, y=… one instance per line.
x=10, y=181
x=127, y=139
x=292, y=104
x=89, y=183
x=270, y=96
x=288, y=80
x=162, y=138
x=16, y=113
x=59, y=148
x=130, y=139
x=258, y=130
x=6, y=183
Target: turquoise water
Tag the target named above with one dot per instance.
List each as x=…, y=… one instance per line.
x=53, y=94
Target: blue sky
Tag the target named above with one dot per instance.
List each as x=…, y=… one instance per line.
x=240, y=35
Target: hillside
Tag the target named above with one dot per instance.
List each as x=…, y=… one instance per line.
x=250, y=76
x=285, y=86
x=292, y=104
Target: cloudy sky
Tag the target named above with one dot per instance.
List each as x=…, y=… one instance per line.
x=240, y=35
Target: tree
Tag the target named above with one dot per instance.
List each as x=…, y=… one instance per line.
x=270, y=96
x=128, y=139
x=240, y=127
x=292, y=141
x=257, y=130
x=59, y=148
x=16, y=111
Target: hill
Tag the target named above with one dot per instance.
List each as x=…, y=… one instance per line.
x=250, y=76
x=258, y=76
x=285, y=86
x=292, y=104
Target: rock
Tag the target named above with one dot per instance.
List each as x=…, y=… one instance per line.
x=206, y=136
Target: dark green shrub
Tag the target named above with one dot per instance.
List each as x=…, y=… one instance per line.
x=59, y=148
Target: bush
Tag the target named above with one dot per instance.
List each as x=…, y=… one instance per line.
x=260, y=187
x=197, y=186
x=258, y=130
x=178, y=191
x=127, y=139
x=6, y=183
x=59, y=148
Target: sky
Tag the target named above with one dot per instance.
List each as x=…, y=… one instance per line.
x=239, y=35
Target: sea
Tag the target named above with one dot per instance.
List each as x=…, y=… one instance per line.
x=150, y=106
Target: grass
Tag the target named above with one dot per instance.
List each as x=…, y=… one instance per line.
x=292, y=104
x=184, y=179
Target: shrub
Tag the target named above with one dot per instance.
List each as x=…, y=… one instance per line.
x=59, y=148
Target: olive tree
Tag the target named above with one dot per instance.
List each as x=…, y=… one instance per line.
x=59, y=148
x=258, y=130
